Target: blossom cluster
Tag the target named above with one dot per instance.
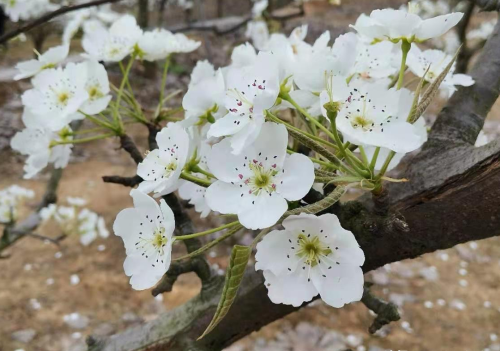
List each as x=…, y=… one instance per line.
x=75, y=219
x=11, y=201
x=232, y=154
x=26, y=9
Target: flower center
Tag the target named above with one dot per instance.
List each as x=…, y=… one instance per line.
x=172, y=166
x=361, y=121
x=94, y=92
x=312, y=249
x=63, y=97
x=262, y=179
x=159, y=238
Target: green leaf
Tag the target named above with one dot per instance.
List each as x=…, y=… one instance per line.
x=411, y=116
x=234, y=275
x=432, y=90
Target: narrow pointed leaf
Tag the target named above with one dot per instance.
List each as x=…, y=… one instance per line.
x=411, y=116
x=234, y=275
x=432, y=90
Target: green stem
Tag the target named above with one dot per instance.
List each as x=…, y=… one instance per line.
x=201, y=182
x=276, y=119
x=82, y=140
x=386, y=164
x=162, y=87
x=99, y=122
x=405, y=47
x=363, y=154
x=287, y=97
x=315, y=160
x=374, y=158
x=206, y=232
x=198, y=169
x=116, y=114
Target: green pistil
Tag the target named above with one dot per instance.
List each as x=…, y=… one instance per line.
x=312, y=249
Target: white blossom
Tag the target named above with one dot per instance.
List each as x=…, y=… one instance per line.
x=49, y=59
x=97, y=87
x=249, y=91
x=26, y=9
x=162, y=167
x=115, y=44
x=146, y=231
x=56, y=97
x=36, y=144
x=256, y=183
x=76, y=201
x=204, y=100
x=312, y=255
x=436, y=61
x=258, y=32
x=373, y=115
x=11, y=199
x=396, y=25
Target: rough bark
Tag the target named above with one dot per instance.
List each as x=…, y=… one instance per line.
x=453, y=197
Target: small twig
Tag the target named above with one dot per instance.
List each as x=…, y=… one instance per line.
x=56, y=241
x=125, y=181
x=51, y=15
x=465, y=54
x=128, y=145
x=387, y=312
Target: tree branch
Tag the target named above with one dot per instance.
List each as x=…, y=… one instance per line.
x=125, y=181
x=387, y=312
x=11, y=234
x=49, y=16
x=465, y=53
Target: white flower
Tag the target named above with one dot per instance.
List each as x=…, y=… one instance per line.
x=11, y=199
x=243, y=55
x=327, y=62
x=249, y=91
x=76, y=201
x=48, y=212
x=193, y=192
x=419, y=61
x=259, y=7
x=420, y=129
x=101, y=228
x=146, y=231
x=483, y=32
x=97, y=87
x=396, y=25
x=311, y=255
x=373, y=115
x=258, y=32
x=205, y=98
x=377, y=61
x=87, y=223
x=179, y=43
x=36, y=144
x=162, y=167
x=152, y=44
x=49, y=59
x=256, y=183
x=26, y=9
x=115, y=44
x=57, y=95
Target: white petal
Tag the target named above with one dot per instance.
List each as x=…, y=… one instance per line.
x=289, y=289
x=343, y=284
x=297, y=179
x=274, y=253
x=262, y=211
x=224, y=197
x=227, y=166
x=437, y=26
x=228, y=125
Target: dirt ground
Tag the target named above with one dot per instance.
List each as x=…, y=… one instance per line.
x=449, y=300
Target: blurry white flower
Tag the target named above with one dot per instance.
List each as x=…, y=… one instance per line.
x=419, y=61
x=162, y=167
x=259, y=34
x=483, y=32
x=396, y=25
x=36, y=144
x=249, y=91
x=76, y=201
x=48, y=59
x=26, y=9
x=311, y=255
x=482, y=139
x=56, y=96
x=146, y=231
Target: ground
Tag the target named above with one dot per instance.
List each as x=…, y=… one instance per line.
x=449, y=300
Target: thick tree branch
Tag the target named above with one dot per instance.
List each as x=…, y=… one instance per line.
x=49, y=16
x=465, y=53
x=128, y=145
x=125, y=181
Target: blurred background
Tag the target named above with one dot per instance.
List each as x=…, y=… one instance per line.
x=52, y=295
